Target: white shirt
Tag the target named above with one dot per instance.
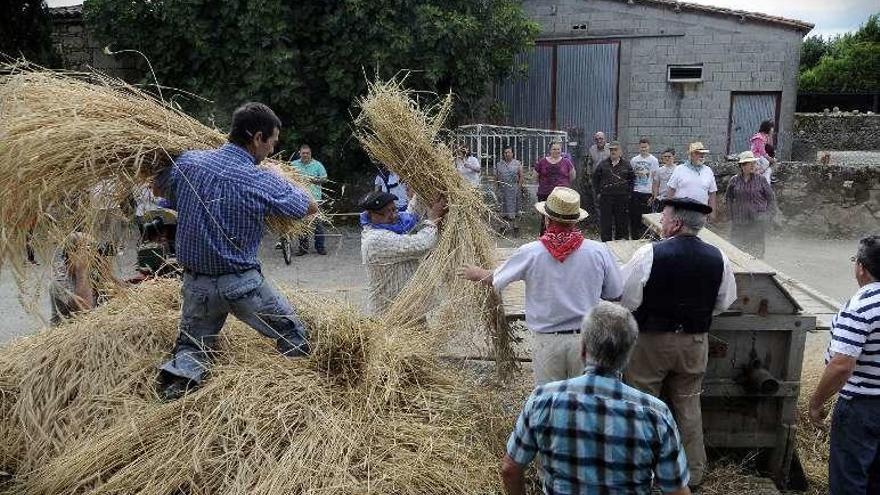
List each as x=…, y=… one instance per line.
x=559, y=295
x=690, y=184
x=643, y=168
x=637, y=271
x=392, y=259
x=397, y=188
x=469, y=168
x=855, y=332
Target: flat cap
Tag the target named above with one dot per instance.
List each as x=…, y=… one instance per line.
x=686, y=204
x=376, y=200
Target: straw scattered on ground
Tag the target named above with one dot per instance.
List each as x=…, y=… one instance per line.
x=403, y=135
x=73, y=149
x=371, y=410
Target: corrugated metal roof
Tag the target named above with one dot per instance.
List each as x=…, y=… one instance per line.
x=742, y=14
x=68, y=12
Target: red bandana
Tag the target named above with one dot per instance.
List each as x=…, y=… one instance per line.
x=561, y=242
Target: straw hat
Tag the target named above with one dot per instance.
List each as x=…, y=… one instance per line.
x=697, y=147
x=563, y=205
x=747, y=157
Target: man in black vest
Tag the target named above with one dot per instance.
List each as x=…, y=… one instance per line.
x=674, y=287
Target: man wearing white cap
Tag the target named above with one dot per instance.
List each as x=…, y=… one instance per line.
x=565, y=276
x=693, y=179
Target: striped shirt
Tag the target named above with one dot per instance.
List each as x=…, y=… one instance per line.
x=597, y=435
x=855, y=332
x=222, y=199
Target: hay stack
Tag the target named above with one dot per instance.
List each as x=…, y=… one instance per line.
x=371, y=410
x=74, y=146
x=396, y=132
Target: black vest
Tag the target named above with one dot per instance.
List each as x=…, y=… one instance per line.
x=680, y=293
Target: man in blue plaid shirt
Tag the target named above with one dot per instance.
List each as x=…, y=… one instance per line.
x=222, y=199
x=594, y=433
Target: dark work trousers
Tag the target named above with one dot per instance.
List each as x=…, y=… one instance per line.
x=542, y=197
x=613, y=216
x=319, y=238
x=640, y=204
x=854, y=463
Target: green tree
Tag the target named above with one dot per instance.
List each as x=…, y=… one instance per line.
x=309, y=60
x=812, y=50
x=851, y=62
x=25, y=30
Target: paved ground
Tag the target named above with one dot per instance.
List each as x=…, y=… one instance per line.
x=822, y=264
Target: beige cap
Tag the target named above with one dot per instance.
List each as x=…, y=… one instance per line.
x=563, y=205
x=697, y=147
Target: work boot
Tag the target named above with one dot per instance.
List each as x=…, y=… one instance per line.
x=302, y=252
x=177, y=388
x=322, y=252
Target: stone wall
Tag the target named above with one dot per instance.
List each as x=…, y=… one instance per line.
x=738, y=54
x=826, y=201
x=79, y=50
x=838, y=130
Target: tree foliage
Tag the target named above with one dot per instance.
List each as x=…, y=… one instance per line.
x=846, y=63
x=308, y=60
x=25, y=30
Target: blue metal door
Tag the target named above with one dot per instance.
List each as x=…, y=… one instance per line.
x=527, y=97
x=747, y=111
x=586, y=88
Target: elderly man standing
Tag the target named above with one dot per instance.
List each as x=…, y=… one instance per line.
x=595, y=434
x=674, y=287
x=565, y=275
x=222, y=200
x=598, y=151
x=317, y=175
x=852, y=370
x=393, y=243
x=613, y=182
x=692, y=179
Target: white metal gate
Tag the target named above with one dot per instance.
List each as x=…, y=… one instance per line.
x=487, y=143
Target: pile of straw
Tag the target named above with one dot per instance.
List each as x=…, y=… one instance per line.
x=396, y=132
x=371, y=410
x=73, y=147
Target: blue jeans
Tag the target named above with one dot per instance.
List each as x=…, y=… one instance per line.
x=854, y=464
x=208, y=300
x=319, y=238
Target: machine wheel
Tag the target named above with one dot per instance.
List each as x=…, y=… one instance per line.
x=285, y=250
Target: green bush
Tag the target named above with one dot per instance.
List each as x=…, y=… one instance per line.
x=25, y=30
x=309, y=60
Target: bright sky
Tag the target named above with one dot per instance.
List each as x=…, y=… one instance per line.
x=830, y=16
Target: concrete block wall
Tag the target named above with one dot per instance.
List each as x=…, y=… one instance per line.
x=737, y=56
x=79, y=50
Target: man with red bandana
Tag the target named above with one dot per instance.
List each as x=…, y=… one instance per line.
x=565, y=276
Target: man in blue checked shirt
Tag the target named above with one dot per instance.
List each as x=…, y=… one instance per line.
x=852, y=371
x=222, y=199
x=594, y=433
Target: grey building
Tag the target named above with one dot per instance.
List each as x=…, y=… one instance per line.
x=670, y=71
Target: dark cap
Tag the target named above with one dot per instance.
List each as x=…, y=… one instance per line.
x=377, y=200
x=686, y=204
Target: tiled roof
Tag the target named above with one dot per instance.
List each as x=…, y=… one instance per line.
x=69, y=12
x=742, y=14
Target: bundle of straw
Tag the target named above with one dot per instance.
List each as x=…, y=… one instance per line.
x=397, y=133
x=73, y=148
x=372, y=410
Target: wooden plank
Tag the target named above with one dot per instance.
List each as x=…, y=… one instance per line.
x=786, y=323
x=720, y=387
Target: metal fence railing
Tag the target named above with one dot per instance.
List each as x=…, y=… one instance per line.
x=487, y=143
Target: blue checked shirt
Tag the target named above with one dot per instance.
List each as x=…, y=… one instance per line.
x=597, y=435
x=222, y=199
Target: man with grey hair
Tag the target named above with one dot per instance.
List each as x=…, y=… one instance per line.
x=595, y=434
x=674, y=287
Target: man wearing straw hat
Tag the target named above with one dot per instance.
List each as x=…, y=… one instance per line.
x=565, y=276
x=393, y=244
x=222, y=199
x=674, y=287
x=693, y=179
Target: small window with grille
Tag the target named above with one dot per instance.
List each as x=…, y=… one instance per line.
x=684, y=73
